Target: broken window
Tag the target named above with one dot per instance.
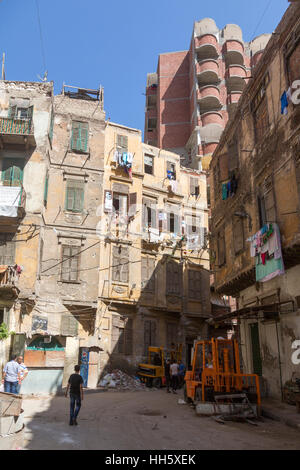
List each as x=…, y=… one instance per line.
x=79, y=138
x=152, y=124
x=149, y=214
x=122, y=336
x=194, y=187
x=148, y=164
x=171, y=171
x=74, y=196
x=70, y=263
x=120, y=204
x=266, y=202
x=173, y=222
x=12, y=171
x=120, y=268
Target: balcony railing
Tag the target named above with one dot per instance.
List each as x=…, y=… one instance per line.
x=16, y=126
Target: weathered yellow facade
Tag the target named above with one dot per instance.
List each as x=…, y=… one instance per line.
x=260, y=150
x=141, y=309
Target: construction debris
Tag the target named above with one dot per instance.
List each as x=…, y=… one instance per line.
x=121, y=381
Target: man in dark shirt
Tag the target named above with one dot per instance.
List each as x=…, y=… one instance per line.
x=167, y=375
x=76, y=394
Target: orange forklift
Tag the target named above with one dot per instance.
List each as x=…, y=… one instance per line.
x=216, y=374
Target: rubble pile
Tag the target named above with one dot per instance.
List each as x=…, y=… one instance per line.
x=121, y=381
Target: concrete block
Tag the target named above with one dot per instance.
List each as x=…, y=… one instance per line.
x=11, y=424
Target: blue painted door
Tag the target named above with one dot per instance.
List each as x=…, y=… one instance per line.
x=84, y=365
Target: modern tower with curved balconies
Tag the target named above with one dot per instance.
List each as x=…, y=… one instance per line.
x=193, y=93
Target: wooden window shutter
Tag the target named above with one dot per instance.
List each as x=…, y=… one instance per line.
x=132, y=204
x=74, y=196
x=233, y=154
x=192, y=186
x=79, y=139
x=269, y=197
x=144, y=273
x=46, y=189
x=122, y=143
x=293, y=64
x=238, y=234
x=30, y=113
x=7, y=249
x=223, y=166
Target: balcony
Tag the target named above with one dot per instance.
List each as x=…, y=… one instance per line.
x=234, y=52
x=17, y=131
x=8, y=279
x=235, y=78
x=206, y=47
x=207, y=72
x=212, y=117
x=12, y=203
x=208, y=98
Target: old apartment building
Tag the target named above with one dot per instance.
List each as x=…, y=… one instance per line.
x=154, y=278
x=104, y=238
x=193, y=92
x=51, y=178
x=255, y=200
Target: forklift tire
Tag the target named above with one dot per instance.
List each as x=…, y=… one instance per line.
x=149, y=382
x=156, y=383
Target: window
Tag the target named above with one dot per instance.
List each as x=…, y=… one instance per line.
x=149, y=214
x=233, y=152
x=238, y=234
x=174, y=278
x=292, y=56
x=70, y=263
x=122, y=335
x=149, y=335
x=120, y=204
x=148, y=276
x=74, y=196
x=152, y=124
x=12, y=171
x=69, y=325
x=120, y=267
x=221, y=248
x=260, y=110
x=173, y=222
x=151, y=101
x=20, y=113
x=79, y=138
x=7, y=249
x=195, y=284
x=122, y=143
x=172, y=335
x=171, y=171
x=266, y=202
x=148, y=164
x=194, y=187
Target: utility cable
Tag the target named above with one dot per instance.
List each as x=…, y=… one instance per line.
x=41, y=36
x=262, y=17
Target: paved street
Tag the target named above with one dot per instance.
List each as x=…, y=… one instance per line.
x=151, y=420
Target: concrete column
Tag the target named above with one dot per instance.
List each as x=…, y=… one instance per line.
x=71, y=358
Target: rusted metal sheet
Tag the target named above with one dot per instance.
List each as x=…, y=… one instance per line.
x=35, y=358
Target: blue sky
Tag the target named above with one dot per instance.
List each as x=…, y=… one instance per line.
x=114, y=43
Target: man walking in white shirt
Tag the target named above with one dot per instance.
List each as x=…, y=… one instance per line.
x=174, y=369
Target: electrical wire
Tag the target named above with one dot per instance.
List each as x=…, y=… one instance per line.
x=262, y=17
x=41, y=35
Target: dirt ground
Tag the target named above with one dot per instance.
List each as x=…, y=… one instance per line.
x=143, y=420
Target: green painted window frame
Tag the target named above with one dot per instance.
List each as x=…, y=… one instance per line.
x=74, y=200
x=13, y=174
x=80, y=136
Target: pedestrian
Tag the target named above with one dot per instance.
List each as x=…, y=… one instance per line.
x=181, y=373
x=23, y=373
x=11, y=376
x=167, y=375
x=174, y=375
x=76, y=394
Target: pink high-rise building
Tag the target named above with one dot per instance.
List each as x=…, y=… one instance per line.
x=193, y=93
